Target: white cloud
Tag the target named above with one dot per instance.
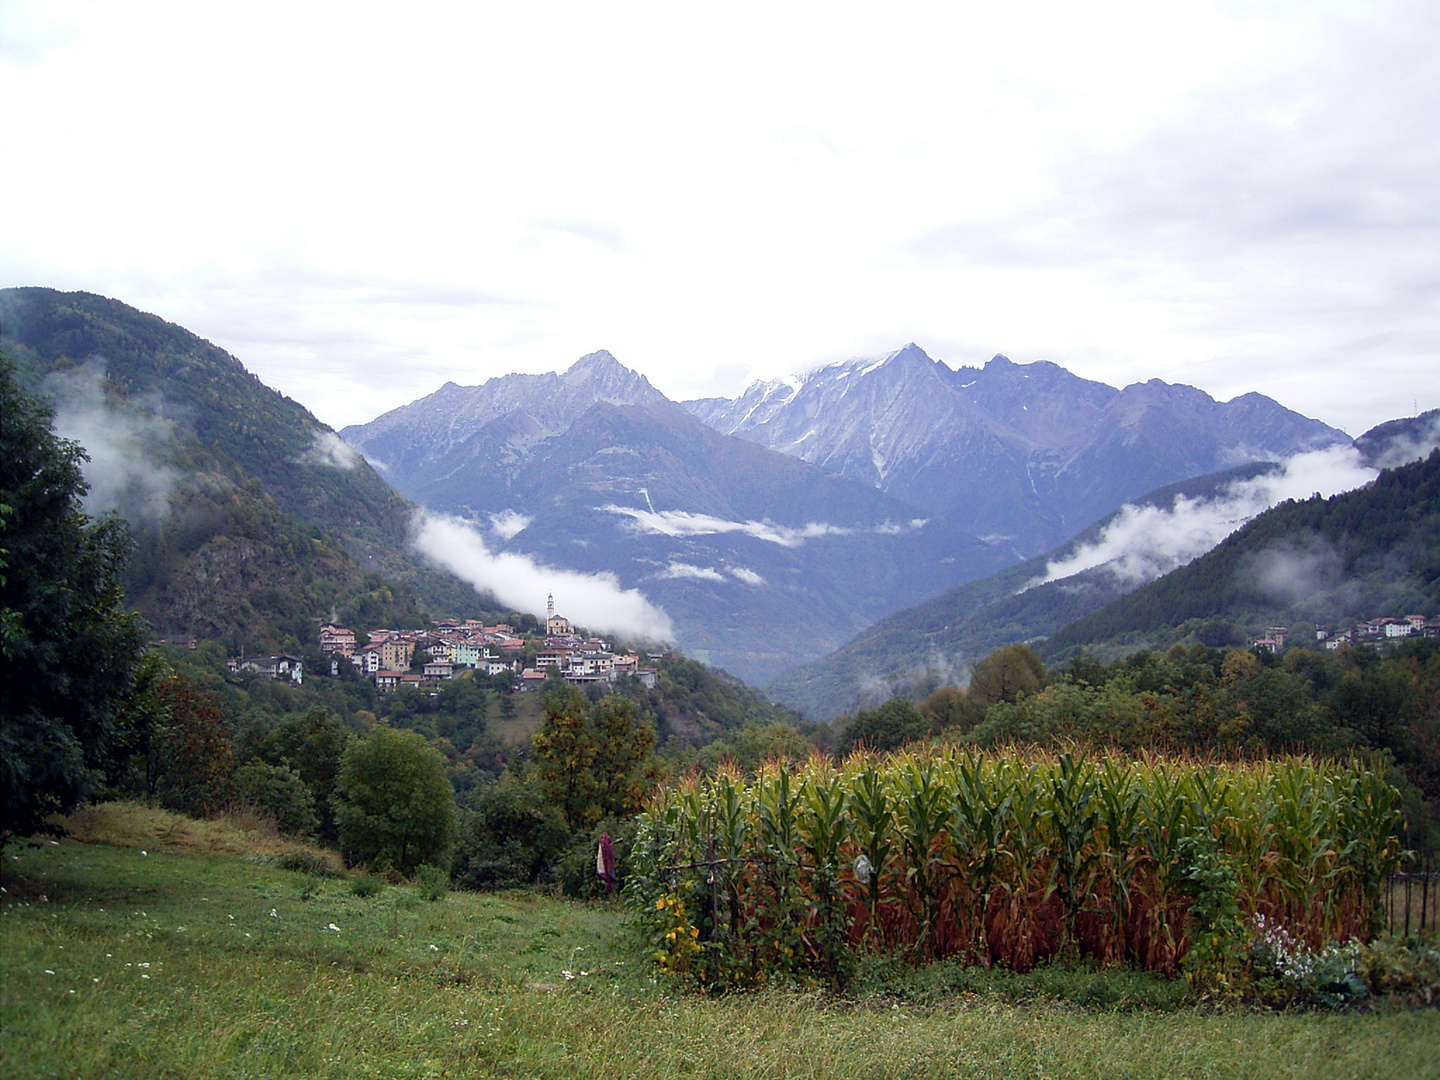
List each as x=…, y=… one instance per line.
x=125, y=471
x=509, y=524
x=1239, y=196
x=678, y=570
x=681, y=523
x=596, y=601
x=1144, y=542
x=1401, y=449
x=328, y=450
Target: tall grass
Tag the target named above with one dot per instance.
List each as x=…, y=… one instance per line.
x=1012, y=858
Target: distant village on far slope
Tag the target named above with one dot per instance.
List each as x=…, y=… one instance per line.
x=1373, y=632
x=451, y=646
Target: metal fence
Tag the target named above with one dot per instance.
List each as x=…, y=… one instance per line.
x=1412, y=897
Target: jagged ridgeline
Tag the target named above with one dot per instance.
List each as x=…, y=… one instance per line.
x=252, y=518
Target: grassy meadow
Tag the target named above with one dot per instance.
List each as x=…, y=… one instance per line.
x=146, y=945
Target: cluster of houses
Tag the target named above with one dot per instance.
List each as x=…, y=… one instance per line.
x=291, y=668
x=1373, y=632
x=1378, y=631
x=453, y=645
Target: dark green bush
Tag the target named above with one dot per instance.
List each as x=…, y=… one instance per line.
x=366, y=886
x=509, y=838
x=278, y=792
x=431, y=883
x=305, y=862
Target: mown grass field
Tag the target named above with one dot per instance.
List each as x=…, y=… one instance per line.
x=197, y=959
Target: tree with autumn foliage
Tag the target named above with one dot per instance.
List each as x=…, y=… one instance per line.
x=593, y=760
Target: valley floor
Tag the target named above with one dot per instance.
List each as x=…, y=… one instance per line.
x=158, y=961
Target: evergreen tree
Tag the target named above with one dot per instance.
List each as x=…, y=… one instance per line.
x=68, y=650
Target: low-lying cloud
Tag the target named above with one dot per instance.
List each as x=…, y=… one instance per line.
x=596, y=601
x=509, y=524
x=328, y=450
x=125, y=472
x=682, y=523
x=1409, y=447
x=1294, y=571
x=1143, y=542
x=681, y=570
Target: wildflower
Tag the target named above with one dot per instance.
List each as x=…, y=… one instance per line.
x=331, y=926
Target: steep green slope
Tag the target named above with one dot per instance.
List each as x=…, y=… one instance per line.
x=227, y=408
x=1371, y=552
x=247, y=508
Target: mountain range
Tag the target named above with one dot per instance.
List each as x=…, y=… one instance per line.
x=758, y=558
x=772, y=527
x=1022, y=454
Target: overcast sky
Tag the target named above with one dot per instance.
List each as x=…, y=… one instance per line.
x=364, y=201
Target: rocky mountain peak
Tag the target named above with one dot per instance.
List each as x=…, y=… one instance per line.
x=599, y=362
x=601, y=375
x=910, y=353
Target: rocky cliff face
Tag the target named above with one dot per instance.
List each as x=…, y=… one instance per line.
x=1023, y=454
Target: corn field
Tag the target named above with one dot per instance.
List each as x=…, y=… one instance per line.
x=1004, y=858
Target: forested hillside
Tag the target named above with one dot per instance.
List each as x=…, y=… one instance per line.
x=1366, y=553
x=252, y=519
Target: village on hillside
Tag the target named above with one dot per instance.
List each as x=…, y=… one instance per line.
x=1376, y=633
x=388, y=656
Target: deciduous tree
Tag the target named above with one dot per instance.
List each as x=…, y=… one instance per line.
x=590, y=758
x=395, y=805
